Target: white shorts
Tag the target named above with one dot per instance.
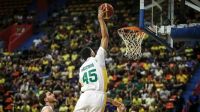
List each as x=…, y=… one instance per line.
x=91, y=101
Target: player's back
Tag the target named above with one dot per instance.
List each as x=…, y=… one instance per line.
x=91, y=75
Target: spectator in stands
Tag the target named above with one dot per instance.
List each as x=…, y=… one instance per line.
x=194, y=102
x=156, y=77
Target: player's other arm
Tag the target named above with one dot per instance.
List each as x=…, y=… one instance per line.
x=120, y=106
x=104, y=30
x=80, y=81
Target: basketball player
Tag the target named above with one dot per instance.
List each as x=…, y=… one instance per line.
x=48, y=99
x=93, y=74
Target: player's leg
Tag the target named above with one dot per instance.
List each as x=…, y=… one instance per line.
x=99, y=103
x=104, y=102
x=81, y=104
x=78, y=107
x=95, y=109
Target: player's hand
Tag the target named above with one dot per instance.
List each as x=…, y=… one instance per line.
x=121, y=108
x=100, y=14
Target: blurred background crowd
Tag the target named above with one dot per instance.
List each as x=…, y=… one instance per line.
x=154, y=83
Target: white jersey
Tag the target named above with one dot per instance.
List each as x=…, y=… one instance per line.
x=49, y=108
x=93, y=74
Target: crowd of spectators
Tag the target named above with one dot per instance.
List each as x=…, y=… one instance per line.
x=14, y=12
x=152, y=84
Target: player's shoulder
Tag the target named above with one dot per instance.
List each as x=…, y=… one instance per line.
x=46, y=109
x=101, y=51
x=86, y=62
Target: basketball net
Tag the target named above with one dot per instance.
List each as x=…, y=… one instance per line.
x=132, y=37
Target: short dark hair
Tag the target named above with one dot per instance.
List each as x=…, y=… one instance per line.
x=86, y=53
x=42, y=97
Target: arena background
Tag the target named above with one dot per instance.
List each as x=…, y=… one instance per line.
x=40, y=44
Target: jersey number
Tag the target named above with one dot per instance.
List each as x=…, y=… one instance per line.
x=90, y=76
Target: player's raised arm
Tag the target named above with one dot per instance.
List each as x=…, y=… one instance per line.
x=103, y=27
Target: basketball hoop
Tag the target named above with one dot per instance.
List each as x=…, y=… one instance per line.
x=132, y=37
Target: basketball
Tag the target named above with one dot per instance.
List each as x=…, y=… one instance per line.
x=108, y=9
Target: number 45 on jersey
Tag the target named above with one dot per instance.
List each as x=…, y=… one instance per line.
x=90, y=76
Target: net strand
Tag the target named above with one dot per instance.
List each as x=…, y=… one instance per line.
x=133, y=41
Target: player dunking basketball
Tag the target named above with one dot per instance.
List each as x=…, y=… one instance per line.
x=93, y=75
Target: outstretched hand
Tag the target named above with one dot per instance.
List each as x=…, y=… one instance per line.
x=121, y=108
x=100, y=14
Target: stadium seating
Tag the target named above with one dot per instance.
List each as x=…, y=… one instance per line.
x=153, y=83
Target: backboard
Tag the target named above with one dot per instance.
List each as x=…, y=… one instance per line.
x=168, y=21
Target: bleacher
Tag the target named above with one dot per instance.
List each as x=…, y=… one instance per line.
x=11, y=11
x=120, y=8
x=153, y=83
x=8, y=7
